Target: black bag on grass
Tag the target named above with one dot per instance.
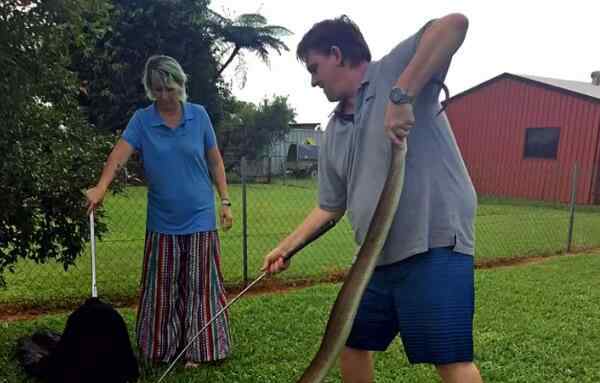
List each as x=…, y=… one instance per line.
x=94, y=348
x=33, y=352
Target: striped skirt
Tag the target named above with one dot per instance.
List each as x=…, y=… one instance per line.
x=182, y=288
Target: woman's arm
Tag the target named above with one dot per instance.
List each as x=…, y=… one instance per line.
x=116, y=160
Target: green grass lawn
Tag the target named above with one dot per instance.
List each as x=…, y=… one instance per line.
x=536, y=324
x=503, y=229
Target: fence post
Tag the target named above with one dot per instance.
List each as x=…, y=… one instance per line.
x=284, y=164
x=269, y=169
x=572, y=210
x=244, y=223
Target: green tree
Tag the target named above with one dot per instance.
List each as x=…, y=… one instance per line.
x=250, y=130
x=252, y=33
x=49, y=153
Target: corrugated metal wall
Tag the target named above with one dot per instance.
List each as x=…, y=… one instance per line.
x=490, y=123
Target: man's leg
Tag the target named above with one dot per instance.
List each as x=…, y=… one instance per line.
x=439, y=293
x=356, y=366
x=465, y=372
x=374, y=328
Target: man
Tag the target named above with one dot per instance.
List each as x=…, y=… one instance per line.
x=423, y=286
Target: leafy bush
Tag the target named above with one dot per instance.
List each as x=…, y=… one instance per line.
x=49, y=153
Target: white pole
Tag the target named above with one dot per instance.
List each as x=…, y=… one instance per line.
x=93, y=244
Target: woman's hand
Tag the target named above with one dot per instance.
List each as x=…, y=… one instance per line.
x=94, y=197
x=226, y=217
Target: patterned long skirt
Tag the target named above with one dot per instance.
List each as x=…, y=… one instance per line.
x=182, y=288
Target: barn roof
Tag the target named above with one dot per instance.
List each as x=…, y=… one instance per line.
x=575, y=88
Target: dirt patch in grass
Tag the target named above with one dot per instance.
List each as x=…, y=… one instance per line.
x=529, y=260
x=513, y=261
x=14, y=312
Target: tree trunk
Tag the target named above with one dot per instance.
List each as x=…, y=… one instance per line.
x=229, y=60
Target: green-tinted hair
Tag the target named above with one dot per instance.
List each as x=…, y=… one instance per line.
x=168, y=71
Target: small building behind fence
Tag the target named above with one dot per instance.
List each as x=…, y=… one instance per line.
x=300, y=134
x=307, y=136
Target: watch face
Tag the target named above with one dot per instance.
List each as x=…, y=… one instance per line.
x=397, y=96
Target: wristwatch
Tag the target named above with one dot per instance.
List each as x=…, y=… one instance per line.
x=225, y=202
x=399, y=96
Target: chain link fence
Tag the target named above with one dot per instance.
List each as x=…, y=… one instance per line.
x=269, y=201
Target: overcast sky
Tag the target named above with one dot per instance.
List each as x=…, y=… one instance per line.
x=558, y=39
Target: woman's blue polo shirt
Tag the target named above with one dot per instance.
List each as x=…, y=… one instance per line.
x=180, y=191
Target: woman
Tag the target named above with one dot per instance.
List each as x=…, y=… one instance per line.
x=182, y=284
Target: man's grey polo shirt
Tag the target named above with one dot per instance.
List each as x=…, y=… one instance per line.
x=438, y=202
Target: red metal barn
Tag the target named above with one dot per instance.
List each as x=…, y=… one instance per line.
x=521, y=136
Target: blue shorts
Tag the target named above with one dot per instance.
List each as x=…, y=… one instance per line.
x=428, y=299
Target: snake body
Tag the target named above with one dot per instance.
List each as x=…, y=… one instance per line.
x=344, y=309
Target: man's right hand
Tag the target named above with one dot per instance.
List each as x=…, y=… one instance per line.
x=94, y=197
x=274, y=262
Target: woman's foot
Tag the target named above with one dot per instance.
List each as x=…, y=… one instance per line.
x=191, y=365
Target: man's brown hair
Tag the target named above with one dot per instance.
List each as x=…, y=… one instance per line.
x=340, y=32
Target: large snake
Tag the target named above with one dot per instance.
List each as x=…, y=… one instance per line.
x=347, y=302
